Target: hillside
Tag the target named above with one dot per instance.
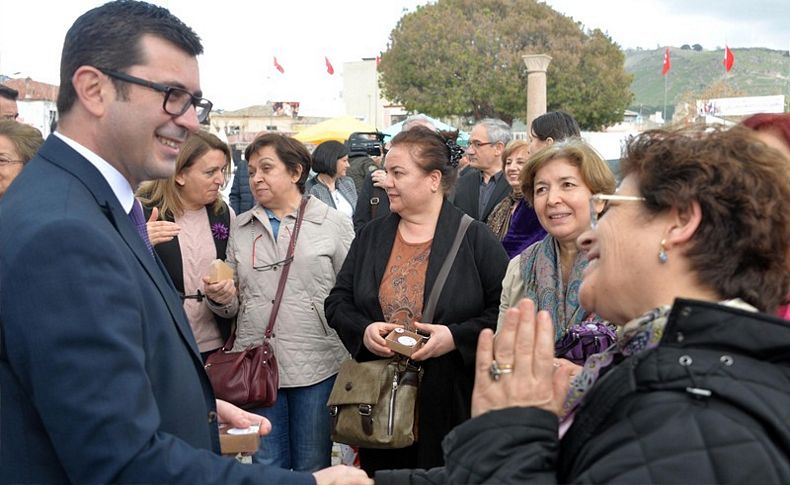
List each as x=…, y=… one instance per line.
x=756, y=72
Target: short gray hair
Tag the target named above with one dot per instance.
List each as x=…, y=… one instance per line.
x=417, y=120
x=497, y=130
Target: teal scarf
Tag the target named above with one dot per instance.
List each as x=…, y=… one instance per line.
x=542, y=274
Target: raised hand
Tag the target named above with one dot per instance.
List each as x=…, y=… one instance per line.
x=160, y=231
x=525, y=374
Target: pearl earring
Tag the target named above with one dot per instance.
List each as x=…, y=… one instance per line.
x=662, y=253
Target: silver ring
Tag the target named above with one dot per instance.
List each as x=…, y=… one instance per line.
x=497, y=370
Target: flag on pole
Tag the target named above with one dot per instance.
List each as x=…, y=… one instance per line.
x=378, y=61
x=729, y=59
x=329, y=68
x=278, y=66
x=667, y=64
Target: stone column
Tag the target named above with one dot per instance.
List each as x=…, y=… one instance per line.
x=536, y=85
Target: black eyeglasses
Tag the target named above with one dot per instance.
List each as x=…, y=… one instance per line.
x=177, y=100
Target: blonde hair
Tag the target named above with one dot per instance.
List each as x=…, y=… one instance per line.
x=26, y=139
x=594, y=171
x=165, y=193
x=511, y=148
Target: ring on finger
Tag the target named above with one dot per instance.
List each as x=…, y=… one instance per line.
x=497, y=370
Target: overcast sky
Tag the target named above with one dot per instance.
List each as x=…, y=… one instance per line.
x=241, y=36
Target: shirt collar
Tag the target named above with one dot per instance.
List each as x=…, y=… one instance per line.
x=494, y=178
x=118, y=183
x=271, y=215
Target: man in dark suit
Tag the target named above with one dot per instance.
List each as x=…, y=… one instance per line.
x=100, y=375
x=481, y=188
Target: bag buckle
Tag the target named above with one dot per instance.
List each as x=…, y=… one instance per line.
x=365, y=409
x=333, y=411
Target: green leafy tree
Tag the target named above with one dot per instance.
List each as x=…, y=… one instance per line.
x=464, y=57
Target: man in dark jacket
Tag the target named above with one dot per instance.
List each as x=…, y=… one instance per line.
x=479, y=190
x=241, y=199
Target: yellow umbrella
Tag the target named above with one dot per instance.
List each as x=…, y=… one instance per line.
x=333, y=129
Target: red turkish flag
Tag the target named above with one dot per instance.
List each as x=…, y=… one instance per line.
x=667, y=64
x=329, y=68
x=278, y=66
x=729, y=59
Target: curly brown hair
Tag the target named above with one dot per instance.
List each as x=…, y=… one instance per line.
x=742, y=245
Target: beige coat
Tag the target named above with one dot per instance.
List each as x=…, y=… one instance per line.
x=307, y=349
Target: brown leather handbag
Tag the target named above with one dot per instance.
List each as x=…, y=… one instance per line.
x=250, y=378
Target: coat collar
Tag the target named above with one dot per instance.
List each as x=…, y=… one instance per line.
x=700, y=323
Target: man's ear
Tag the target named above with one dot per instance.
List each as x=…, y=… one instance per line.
x=93, y=89
x=683, y=224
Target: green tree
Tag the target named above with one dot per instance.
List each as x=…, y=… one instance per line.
x=464, y=57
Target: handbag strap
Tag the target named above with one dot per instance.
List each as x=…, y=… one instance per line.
x=433, y=299
x=286, y=268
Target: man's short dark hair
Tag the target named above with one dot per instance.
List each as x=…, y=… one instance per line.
x=109, y=37
x=8, y=93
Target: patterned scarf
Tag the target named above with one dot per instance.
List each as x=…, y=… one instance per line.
x=640, y=334
x=541, y=271
x=499, y=219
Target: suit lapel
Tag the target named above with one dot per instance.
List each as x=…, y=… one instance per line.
x=473, y=192
x=62, y=155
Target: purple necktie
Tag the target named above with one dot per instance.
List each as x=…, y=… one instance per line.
x=136, y=215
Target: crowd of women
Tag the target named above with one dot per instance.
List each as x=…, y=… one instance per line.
x=639, y=330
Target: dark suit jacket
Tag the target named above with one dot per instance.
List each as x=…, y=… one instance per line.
x=467, y=194
x=101, y=378
x=469, y=302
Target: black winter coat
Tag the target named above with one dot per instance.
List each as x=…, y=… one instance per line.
x=241, y=198
x=469, y=302
x=711, y=404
